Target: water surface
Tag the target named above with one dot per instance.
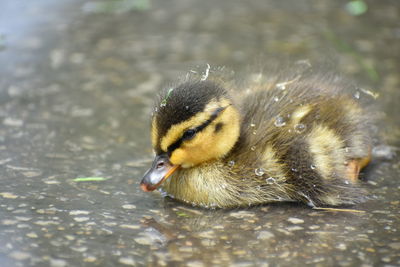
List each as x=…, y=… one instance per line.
x=76, y=91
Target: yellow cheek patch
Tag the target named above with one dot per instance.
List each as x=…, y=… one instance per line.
x=176, y=131
x=193, y=152
x=209, y=144
x=178, y=156
x=327, y=150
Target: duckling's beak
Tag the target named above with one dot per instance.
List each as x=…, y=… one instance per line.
x=159, y=171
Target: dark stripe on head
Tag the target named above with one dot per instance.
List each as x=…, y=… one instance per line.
x=183, y=102
x=197, y=129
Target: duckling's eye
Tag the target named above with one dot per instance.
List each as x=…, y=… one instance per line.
x=160, y=165
x=189, y=134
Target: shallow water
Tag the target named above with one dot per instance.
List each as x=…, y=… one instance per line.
x=76, y=91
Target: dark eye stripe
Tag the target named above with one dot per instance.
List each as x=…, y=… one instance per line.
x=199, y=128
x=189, y=134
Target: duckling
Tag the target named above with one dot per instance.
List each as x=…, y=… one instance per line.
x=300, y=139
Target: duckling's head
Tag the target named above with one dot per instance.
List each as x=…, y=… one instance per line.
x=193, y=123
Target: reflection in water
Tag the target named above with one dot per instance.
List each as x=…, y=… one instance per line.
x=260, y=234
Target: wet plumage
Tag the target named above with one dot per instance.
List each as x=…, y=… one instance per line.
x=293, y=138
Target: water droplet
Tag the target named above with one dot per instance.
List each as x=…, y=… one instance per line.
x=270, y=180
x=231, y=163
x=279, y=121
x=347, y=149
x=281, y=86
x=163, y=104
x=276, y=99
x=346, y=182
x=187, y=107
x=294, y=170
x=300, y=128
x=156, y=109
x=312, y=166
x=357, y=95
x=259, y=171
x=253, y=148
x=252, y=125
x=254, y=132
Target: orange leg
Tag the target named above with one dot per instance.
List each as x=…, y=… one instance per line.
x=354, y=167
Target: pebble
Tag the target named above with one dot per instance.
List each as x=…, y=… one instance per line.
x=130, y=226
x=127, y=261
x=242, y=214
x=70, y=237
x=23, y=219
x=4, y=161
x=51, y=182
x=195, y=264
x=143, y=241
x=263, y=235
x=8, y=195
x=79, y=249
x=81, y=219
x=207, y=234
x=395, y=245
x=294, y=228
x=295, y=220
x=13, y=122
x=129, y=206
x=31, y=174
x=23, y=225
x=284, y=255
x=32, y=235
x=341, y=246
x=20, y=255
x=58, y=263
x=208, y=242
x=239, y=252
x=8, y=222
x=186, y=249
x=46, y=211
x=90, y=259
x=78, y=212
x=45, y=223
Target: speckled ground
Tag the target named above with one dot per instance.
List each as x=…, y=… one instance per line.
x=76, y=88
